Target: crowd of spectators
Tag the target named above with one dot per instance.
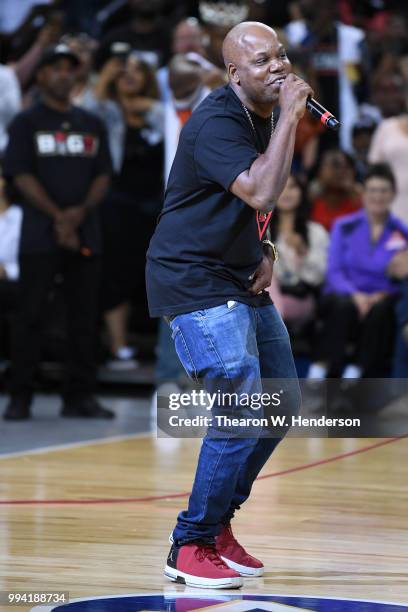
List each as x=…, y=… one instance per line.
x=137, y=69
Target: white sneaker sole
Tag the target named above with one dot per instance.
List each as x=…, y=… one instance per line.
x=244, y=570
x=202, y=583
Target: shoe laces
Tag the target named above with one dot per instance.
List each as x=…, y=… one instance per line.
x=210, y=552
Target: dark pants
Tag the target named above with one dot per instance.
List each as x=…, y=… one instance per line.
x=80, y=287
x=8, y=305
x=126, y=234
x=371, y=338
x=400, y=366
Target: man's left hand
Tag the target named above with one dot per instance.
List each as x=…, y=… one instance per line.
x=263, y=275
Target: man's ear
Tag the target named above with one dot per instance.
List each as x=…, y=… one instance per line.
x=233, y=74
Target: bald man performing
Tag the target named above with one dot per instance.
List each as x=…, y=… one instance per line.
x=208, y=265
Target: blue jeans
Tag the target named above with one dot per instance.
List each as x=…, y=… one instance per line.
x=240, y=345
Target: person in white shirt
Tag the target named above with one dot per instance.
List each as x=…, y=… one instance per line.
x=303, y=247
x=10, y=101
x=10, y=228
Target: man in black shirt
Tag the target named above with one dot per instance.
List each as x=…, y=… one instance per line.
x=207, y=267
x=58, y=161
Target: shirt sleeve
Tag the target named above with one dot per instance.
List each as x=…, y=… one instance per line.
x=19, y=156
x=223, y=150
x=337, y=279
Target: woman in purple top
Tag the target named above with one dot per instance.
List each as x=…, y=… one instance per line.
x=359, y=295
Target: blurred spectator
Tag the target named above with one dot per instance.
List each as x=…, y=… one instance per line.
x=217, y=20
x=386, y=97
x=188, y=38
x=26, y=64
x=83, y=16
x=276, y=13
x=332, y=56
x=337, y=194
x=187, y=91
x=302, y=247
x=127, y=99
x=387, y=39
x=10, y=228
x=13, y=14
x=43, y=26
x=10, y=101
x=307, y=144
x=390, y=145
x=15, y=78
x=360, y=297
x=146, y=31
x=83, y=46
x=362, y=133
x=58, y=160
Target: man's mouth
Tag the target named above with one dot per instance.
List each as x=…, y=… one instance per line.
x=277, y=80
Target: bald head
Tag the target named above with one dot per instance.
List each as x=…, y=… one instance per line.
x=256, y=63
x=243, y=38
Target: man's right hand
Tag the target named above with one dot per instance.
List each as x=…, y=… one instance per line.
x=293, y=95
x=65, y=231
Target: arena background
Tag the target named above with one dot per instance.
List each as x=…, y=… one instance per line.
x=86, y=504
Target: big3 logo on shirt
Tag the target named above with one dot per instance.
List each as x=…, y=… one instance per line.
x=66, y=144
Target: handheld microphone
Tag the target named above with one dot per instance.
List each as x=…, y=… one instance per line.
x=321, y=113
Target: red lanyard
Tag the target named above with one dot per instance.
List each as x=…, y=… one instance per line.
x=262, y=220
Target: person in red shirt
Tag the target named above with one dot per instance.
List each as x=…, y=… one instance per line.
x=338, y=194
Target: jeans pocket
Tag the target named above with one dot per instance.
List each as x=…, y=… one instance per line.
x=184, y=353
x=219, y=311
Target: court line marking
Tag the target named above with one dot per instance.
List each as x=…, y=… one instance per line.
x=152, y=498
x=68, y=445
x=218, y=595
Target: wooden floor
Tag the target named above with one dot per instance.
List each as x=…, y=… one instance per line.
x=336, y=528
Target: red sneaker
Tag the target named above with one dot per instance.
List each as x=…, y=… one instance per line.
x=235, y=555
x=200, y=565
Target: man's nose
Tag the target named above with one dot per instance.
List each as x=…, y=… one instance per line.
x=277, y=65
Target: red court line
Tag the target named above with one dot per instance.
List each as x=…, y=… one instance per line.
x=152, y=498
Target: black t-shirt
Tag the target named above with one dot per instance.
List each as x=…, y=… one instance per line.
x=65, y=152
x=141, y=174
x=206, y=244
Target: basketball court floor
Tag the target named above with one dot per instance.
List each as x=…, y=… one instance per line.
x=86, y=508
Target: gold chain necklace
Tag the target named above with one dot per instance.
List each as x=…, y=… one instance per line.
x=248, y=114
